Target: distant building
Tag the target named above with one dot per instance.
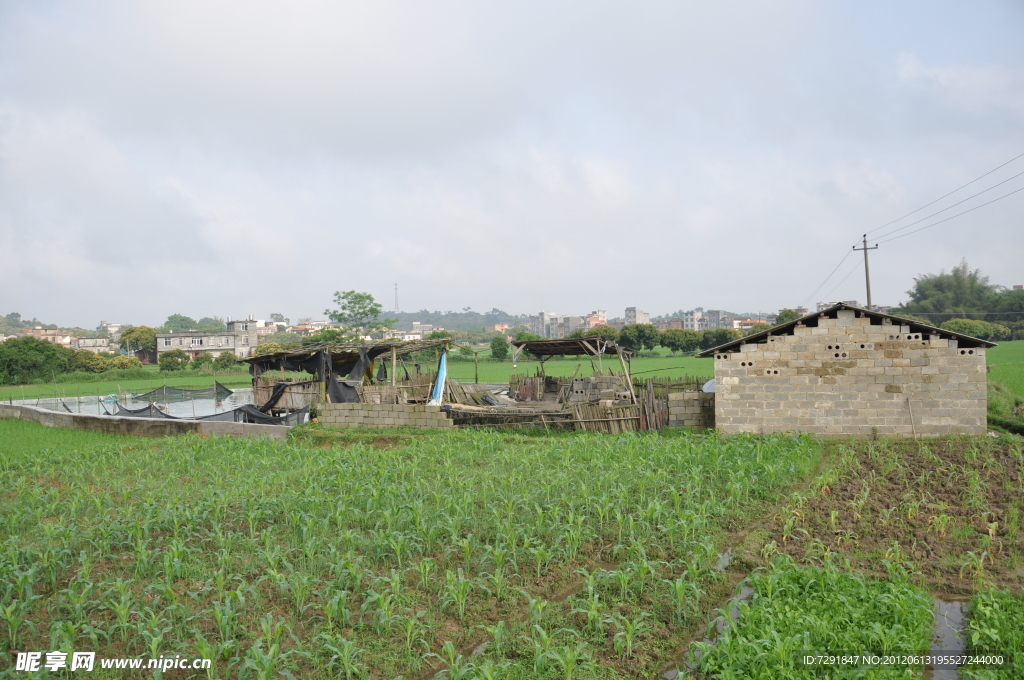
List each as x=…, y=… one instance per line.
x=240, y=337
x=113, y=329
x=694, y=320
x=95, y=345
x=598, y=317
x=669, y=324
x=636, y=315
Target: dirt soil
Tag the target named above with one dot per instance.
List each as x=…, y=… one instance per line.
x=948, y=509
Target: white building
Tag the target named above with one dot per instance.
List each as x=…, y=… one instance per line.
x=637, y=315
x=240, y=338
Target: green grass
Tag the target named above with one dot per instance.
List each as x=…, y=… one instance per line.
x=796, y=610
x=995, y=626
x=1006, y=366
x=370, y=555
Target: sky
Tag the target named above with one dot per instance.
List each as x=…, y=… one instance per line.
x=242, y=158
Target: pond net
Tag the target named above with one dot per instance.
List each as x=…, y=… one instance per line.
x=168, y=392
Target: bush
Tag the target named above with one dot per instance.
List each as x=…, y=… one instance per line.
x=175, y=360
x=499, y=347
x=680, y=340
x=202, y=361
x=225, y=361
x=718, y=336
x=26, y=360
x=972, y=327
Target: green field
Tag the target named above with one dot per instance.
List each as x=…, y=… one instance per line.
x=652, y=367
x=578, y=555
x=1006, y=366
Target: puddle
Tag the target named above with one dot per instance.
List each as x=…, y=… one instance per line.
x=731, y=606
x=724, y=560
x=949, y=623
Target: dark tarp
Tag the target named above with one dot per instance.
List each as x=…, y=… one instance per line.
x=344, y=391
x=275, y=396
x=167, y=392
x=246, y=413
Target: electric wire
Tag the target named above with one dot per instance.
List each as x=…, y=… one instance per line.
x=907, y=226
x=848, y=274
x=929, y=226
x=822, y=284
x=944, y=196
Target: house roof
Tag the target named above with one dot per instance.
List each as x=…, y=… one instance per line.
x=812, y=321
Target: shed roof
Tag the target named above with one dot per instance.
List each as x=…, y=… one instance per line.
x=811, y=320
x=348, y=350
x=593, y=346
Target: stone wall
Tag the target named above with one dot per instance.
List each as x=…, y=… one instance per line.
x=849, y=377
x=691, y=409
x=382, y=415
x=140, y=427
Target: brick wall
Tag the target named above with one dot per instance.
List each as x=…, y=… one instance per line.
x=849, y=377
x=382, y=415
x=691, y=409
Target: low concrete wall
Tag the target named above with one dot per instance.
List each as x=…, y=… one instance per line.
x=382, y=415
x=691, y=409
x=140, y=427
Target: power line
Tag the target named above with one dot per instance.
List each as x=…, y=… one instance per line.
x=929, y=226
x=855, y=268
x=944, y=196
x=949, y=207
x=822, y=284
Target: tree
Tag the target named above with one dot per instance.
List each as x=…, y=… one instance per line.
x=607, y=332
x=334, y=335
x=786, y=315
x=225, y=361
x=499, y=347
x=176, y=323
x=972, y=327
x=211, y=323
x=358, y=312
x=202, y=360
x=24, y=360
x=718, y=336
x=174, y=360
x=526, y=336
x=440, y=335
x=639, y=336
x=278, y=317
x=680, y=340
x=269, y=348
x=944, y=296
x=138, y=337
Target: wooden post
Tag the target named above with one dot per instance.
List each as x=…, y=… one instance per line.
x=629, y=378
x=476, y=367
x=394, y=371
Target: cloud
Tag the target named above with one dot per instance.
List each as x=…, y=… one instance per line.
x=230, y=158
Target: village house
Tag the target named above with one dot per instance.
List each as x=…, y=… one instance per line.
x=849, y=371
x=240, y=337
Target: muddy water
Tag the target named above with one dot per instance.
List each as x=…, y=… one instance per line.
x=731, y=606
x=947, y=639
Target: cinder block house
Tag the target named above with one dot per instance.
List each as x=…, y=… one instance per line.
x=850, y=371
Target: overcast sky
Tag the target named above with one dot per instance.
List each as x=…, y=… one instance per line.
x=219, y=158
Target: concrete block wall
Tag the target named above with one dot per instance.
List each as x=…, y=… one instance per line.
x=382, y=415
x=849, y=377
x=691, y=409
x=594, y=388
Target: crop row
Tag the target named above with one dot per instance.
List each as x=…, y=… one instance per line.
x=583, y=555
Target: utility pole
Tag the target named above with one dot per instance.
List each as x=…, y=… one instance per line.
x=867, y=272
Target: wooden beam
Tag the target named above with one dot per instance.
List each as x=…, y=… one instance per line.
x=629, y=378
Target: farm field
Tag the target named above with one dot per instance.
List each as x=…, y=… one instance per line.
x=1006, y=366
x=378, y=554
x=647, y=367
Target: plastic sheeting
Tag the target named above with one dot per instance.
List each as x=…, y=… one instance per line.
x=437, y=393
